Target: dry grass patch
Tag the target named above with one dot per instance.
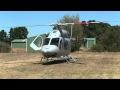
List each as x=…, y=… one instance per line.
x=90, y=65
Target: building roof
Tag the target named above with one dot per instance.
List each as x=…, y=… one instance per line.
x=24, y=40
x=19, y=40
x=90, y=38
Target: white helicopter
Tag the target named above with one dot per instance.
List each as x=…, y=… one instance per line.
x=57, y=43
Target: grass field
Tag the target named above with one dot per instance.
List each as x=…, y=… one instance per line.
x=89, y=65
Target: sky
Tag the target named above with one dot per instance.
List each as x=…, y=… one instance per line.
x=27, y=18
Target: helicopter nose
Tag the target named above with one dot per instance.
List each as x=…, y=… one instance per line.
x=49, y=50
x=45, y=51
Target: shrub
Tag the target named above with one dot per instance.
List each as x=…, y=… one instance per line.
x=97, y=48
x=4, y=47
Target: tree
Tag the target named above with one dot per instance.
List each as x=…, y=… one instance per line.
x=77, y=29
x=11, y=34
x=4, y=46
x=111, y=39
x=18, y=33
x=95, y=30
x=3, y=36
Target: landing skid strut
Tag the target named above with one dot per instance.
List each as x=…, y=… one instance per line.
x=67, y=58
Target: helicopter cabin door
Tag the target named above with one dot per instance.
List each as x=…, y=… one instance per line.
x=37, y=43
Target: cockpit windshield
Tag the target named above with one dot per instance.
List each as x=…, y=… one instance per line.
x=54, y=41
x=46, y=41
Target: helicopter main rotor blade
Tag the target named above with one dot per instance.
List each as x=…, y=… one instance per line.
x=60, y=24
x=28, y=26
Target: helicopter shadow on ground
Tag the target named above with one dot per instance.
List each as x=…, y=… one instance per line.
x=56, y=62
x=52, y=62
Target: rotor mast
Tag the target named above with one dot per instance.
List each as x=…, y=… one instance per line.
x=58, y=26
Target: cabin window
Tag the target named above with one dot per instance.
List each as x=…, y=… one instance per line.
x=46, y=41
x=68, y=35
x=54, y=31
x=61, y=46
x=65, y=44
x=54, y=41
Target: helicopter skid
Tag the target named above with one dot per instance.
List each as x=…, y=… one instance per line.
x=67, y=58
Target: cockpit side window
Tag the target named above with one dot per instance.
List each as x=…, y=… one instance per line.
x=46, y=41
x=55, y=41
